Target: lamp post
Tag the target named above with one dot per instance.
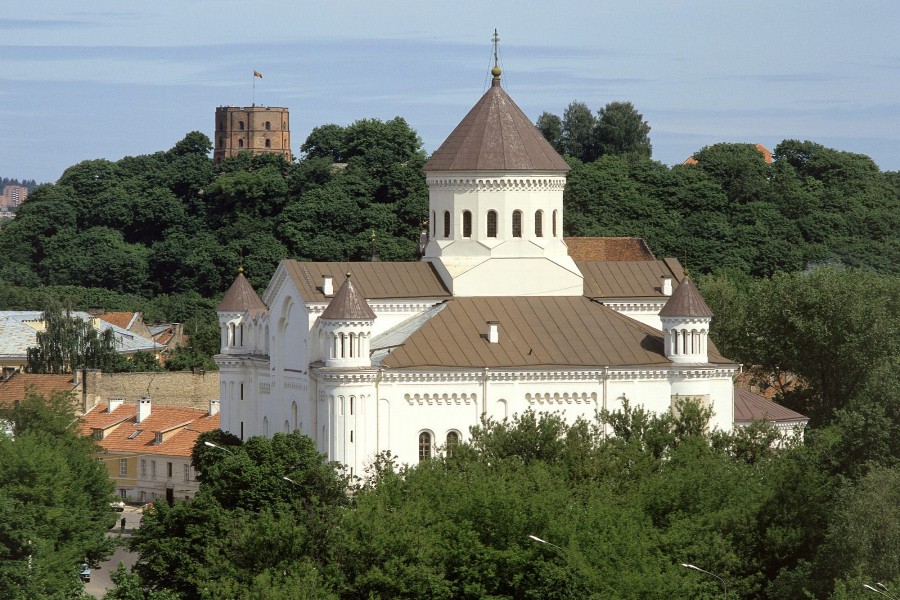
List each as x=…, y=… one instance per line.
x=883, y=591
x=696, y=568
x=211, y=445
x=540, y=541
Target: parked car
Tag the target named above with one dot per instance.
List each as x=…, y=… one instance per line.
x=117, y=506
x=85, y=573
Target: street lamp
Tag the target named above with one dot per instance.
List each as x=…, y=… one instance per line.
x=883, y=591
x=211, y=445
x=696, y=568
x=540, y=541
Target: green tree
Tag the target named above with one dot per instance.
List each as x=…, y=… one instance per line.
x=578, y=124
x=54, y=501
x=622, y=130
x=68, y=343
x=551, y=128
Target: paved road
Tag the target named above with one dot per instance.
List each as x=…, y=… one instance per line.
x=100, y=577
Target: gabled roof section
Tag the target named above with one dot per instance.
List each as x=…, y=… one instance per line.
x=605, y=279
x=240, y=297
x=750, y=407
x=120, y=319
x=380, y=280
x=495, y=136
x=348, y=304
x=686, y=301
x=608, y=248
x=16, y=387
x=534, y=332
x=181, y=426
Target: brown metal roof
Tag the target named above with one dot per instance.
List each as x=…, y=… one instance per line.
x=379, y=280
x=686, y=301
x=240, y=297
x=628, y=278
x=348, y=303
x=562, y=331
x=753, y=407
x=608, y=248
x=495, y=136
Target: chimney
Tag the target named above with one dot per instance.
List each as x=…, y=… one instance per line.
x=666, y=286
x=328, y=285
x=143, y=410
x=213, y=407
x=115, y=403
x=493, y=333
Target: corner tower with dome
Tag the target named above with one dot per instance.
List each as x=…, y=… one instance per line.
x=501, y=315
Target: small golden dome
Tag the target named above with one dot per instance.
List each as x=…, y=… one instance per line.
x=496, y=72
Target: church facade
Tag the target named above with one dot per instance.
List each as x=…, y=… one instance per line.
x=497, y=318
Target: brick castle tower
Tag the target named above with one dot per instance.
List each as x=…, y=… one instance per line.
x=258, y=129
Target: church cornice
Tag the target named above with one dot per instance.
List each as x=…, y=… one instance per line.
x=384, y=307
x=344, y=376
x=511, y=183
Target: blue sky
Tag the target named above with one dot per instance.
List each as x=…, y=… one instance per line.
x=107, y=79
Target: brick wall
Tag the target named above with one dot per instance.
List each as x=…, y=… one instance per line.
x=169, y=388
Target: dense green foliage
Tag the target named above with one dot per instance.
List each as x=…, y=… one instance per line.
x=69, y=343
x=54, y=501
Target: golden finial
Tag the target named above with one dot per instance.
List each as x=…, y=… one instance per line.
x=496, y=70
x=241, y=269
x=349, y=274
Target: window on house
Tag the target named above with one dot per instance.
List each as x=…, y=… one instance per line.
x=352, y=398
x=135, y=433
x=539, y=224
x=241, y=125
x=240, y=143
x=98, y=434
x=517, y=223
x=467, y=224
x=268, y=143
x=446, y=223
x=158, y=439
x=143, y=468
x=452, y=441
x=153, y=469
x=169, y=470
x=424, y=446
x=123, y=467
x=268, y=126
x=187, y=472
x=492, y=224
x=351, y=436
x=242, y=390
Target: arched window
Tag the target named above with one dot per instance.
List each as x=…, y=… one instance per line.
x=231, y=334
x=554, y=223
x=424, y=446
x=268, y=143
x=266, y=426
x=492, y=224
x=240, y=143
x=467, y=224
x=294, y=414
x=452, y=442
x=268, y=126
x=241, y=125
x=446, y=223
x=517, y=223
x=539, y=224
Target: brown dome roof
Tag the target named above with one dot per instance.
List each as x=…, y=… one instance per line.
x=686, y=301
x=240, y=297
x=348, y=304
x=495, y=136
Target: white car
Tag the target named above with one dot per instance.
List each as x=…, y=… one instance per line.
x=117, y=506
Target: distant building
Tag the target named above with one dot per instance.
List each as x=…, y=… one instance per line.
x=14, y=196
x=256, y=129
x=19, y=328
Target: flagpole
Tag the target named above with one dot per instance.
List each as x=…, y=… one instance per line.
x=253, y=77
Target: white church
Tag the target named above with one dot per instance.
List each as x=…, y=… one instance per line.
x=501, y=315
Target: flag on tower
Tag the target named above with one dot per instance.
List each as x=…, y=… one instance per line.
x=257, y=74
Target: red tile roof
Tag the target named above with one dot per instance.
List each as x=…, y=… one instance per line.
x=119, y=319
x=608, y=248
x=180, y=428
x=16, y=387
